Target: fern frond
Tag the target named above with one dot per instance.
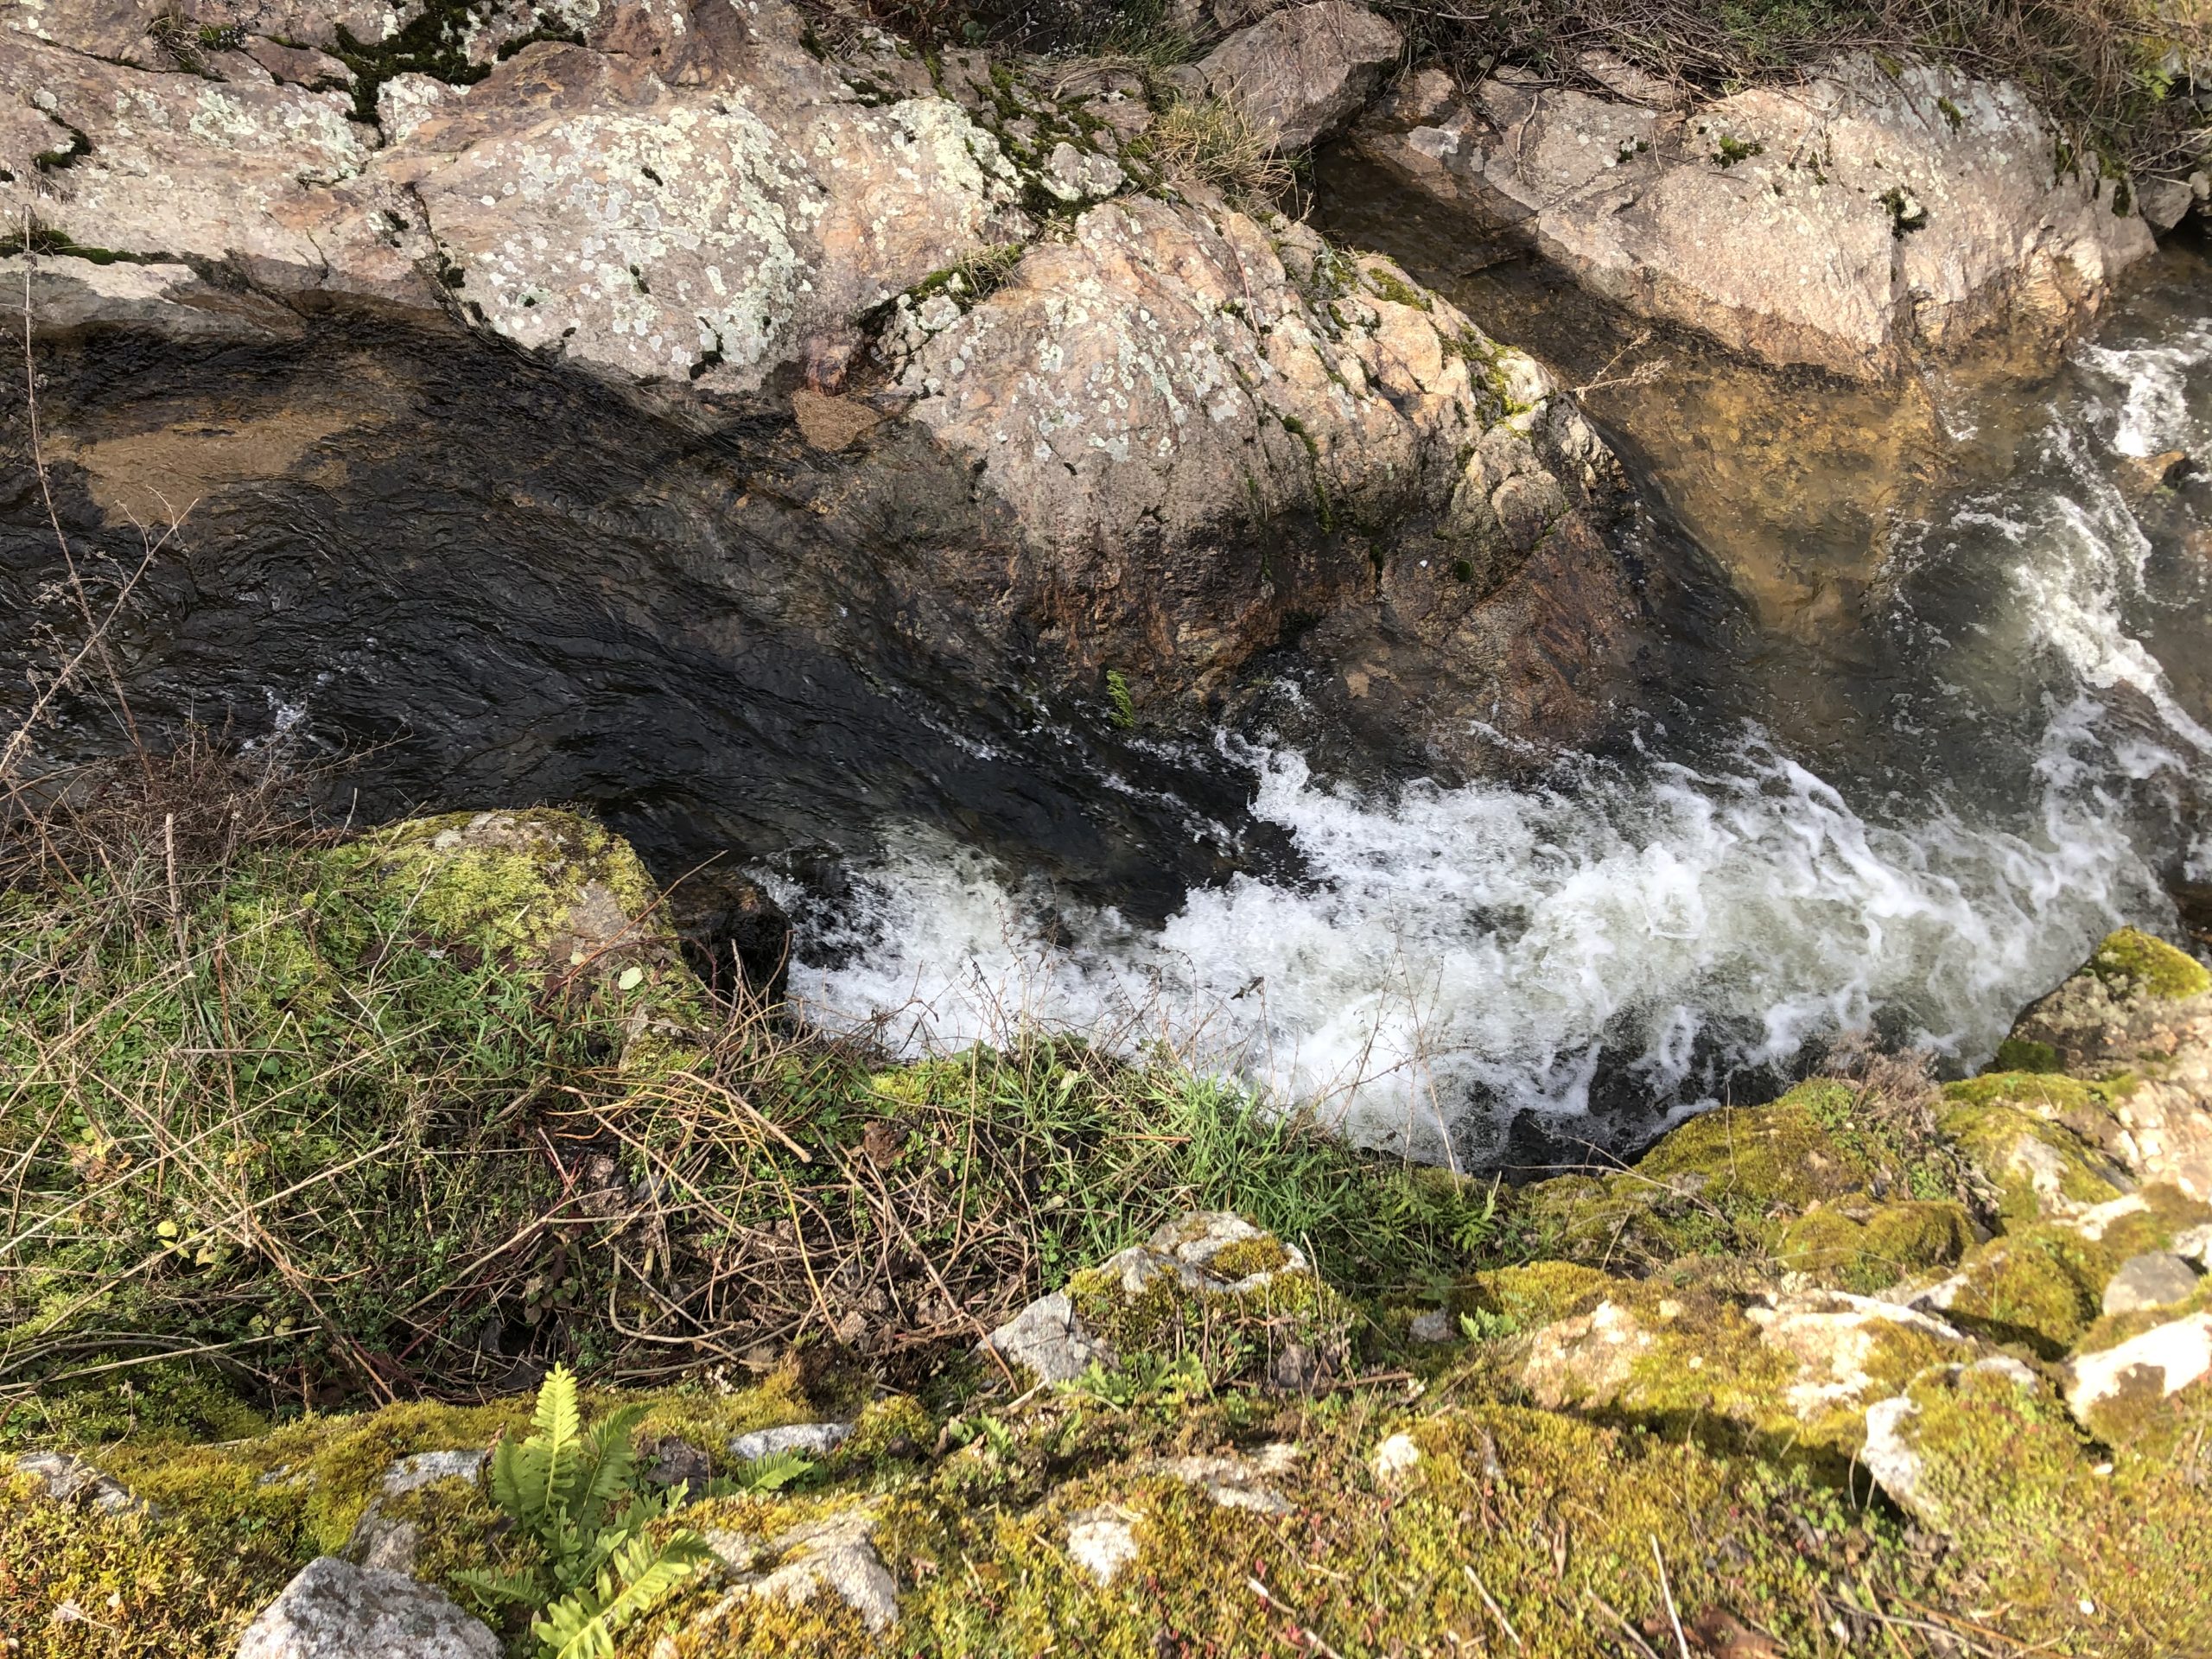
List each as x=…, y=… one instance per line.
x=558, y=1424
x=584, y=1624
x=605, y=1464
x=512, y=1587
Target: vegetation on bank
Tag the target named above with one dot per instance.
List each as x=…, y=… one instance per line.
x=321, y=1150
x=2115, y=72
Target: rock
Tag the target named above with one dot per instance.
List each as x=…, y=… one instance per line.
x=1433, y=1324
x=2134, y=1376
x=1398, y=1455
x=72, y=1480
x=1101, y=1542
x=1847, y=223
x=412, y=1473
x=335, y=1610
x=809, y=1439
x=393, y=1544
x=1233, y=1481
x=1209, y=1285
x=1300, y=72
x=2137, y=1018
x=2164, y=202
x=1046, y=1340
x=2155, y=1280
x=836, y=1556
x=1142, y=397
x=1893, y=1452
x=69, y=297
x=1802, y=1366
x=588, y=908
x=673, y=1461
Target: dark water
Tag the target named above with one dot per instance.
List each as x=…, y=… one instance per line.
x=1929, y=714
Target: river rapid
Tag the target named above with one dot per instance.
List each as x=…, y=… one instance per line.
x=1927, y=714
x=1935, y=720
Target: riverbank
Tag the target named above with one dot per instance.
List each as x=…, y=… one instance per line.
x=418, y=1113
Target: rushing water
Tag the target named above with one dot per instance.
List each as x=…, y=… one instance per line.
x=1931, y=714
x=1957, y=731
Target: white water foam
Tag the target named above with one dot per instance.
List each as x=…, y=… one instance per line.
x=1490, y=943
x=1488, y=948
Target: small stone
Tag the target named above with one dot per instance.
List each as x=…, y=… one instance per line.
x=335, y=1610
x=811, y=1440
x=1101, y=1542
x=1396, y=1456
x=72, y=1480
x=2150, y=1280
x=1434, y=1326
x=670, y=1460
x=1047, y=1339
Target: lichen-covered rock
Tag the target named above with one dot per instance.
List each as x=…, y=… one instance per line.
x=1209, y=1287
x=809, y=1439
x=1843, y=223
x=393, y=1542
x=1302, y=71
x=833, y=1556
x=69, y=1479
x=2155, y=1279
x=1145, y=397
x=1798, y=1370
x=547, y=889
x=2133, y=1029
x=1821, y=1180
x=335, y=1610
x=2119, y=1393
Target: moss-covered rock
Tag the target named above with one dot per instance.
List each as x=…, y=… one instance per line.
x=1866, y=1250
x=2040, y=1286
x=2035, y=1137
x=1791, y=1376
x=1214, y=1289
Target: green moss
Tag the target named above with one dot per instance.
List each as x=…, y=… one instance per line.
x=2024, y=1054
x=2040, y=1286
x=1386, y=283
x=2132, y=963
x=1873, y=1250
x=1534, y=1295
x=2091, y=1560
x=1230, y=1333
x=2013, y=1128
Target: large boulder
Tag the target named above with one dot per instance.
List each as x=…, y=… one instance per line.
x=2120, y=1057
x=1090, y=427
x=1847, y=223
x=1149, y=395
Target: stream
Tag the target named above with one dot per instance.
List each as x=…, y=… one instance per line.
x=1932, y=713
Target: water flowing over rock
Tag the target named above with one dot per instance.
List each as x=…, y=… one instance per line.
x=1847, y=223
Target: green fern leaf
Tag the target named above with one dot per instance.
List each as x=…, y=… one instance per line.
x=584, y=1624
x=513, y=1587
x=559, y=1425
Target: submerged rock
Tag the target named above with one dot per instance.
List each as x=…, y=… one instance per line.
x=335, y=1610
x=1847, y=223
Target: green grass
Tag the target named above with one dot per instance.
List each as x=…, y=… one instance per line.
x=317, y=1124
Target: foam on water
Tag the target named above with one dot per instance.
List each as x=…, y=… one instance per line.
x=1448, y=956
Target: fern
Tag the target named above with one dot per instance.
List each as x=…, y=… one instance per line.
x=573, y=1493
x=583, y=1624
